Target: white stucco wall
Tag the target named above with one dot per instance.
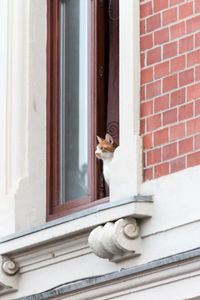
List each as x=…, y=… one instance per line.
x=175, y=224
x=23, y=114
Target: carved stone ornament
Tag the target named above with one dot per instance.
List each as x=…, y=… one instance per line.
x=9, y=267
x=115, y=240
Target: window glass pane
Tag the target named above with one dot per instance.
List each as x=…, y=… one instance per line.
x=73, y=100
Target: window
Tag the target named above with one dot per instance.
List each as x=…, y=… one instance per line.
x=80, y=82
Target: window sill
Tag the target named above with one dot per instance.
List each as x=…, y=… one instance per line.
x=62, y=239
x=77, y=223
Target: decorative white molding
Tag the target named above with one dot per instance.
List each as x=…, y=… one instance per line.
x=23, y=114
x=56, y=252
x=17, y=95
x=8, y=275
x=56, y=246
x=9, y=267
x=3, y=89
x=116, y=240
x=154, y=280
x=77, y=223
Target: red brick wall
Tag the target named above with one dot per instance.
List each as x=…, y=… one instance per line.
x=170, y=85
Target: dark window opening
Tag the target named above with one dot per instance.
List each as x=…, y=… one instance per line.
x=82, y=99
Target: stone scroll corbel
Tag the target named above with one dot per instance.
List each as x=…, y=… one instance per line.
x=8, y=266
x=8, y=275
x=116, y=240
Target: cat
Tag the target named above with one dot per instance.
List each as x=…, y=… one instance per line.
x=105, y=152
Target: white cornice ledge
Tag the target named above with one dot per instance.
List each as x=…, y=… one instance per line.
x=76, y=224
x=68, y=237
x=8, y=275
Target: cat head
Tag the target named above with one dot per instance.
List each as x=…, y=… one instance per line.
x=105, y=147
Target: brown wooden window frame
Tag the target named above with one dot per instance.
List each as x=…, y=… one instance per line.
x=96, y=113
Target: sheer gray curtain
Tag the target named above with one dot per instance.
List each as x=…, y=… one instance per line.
x=73, y=100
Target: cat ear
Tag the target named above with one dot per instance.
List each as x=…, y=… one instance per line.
x=109, y=138
x=99, y=139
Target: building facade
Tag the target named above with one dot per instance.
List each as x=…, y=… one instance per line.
x=143, y=242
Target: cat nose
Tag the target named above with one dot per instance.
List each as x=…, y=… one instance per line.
x=98, y=153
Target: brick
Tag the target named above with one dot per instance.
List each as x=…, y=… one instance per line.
x=142, y=59
x=153, y=89
x=193, y=58
x=170, y=151
x=153, y=22
x=178, y=164
x=161, y=36
x=142, y=27
x=153, y=122
x=146, y=108
x=193, y=159
x=177, y=131
x=186, y=44
x=146, y=42
x=197, y=6
x=178, y=97
x=147, y=141
x=161, y=69
x=170, y=50
x=197, y=39
x=186, y=111
x=177, y=30
x=142, y=126
x=178, y=63
x=146, y=75
x=193, y=24
x=174, y=2
x=197, y=107
x=161, y=103
x=186, y=146
x=154, y=156
x=197, y=73
x=186, y=10
x=148, y=174
x=186, y=77
x=146, y=9
x=154, y=56
x=142, y=93
x=193, y=91
x=169, y=16
x=193, y=126
x=170, y=83
x=197, y=142
x=161, y=137
x=160, y=5
x=170, y=116
x=161, y=170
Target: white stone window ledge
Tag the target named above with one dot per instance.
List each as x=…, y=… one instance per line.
x=67, y=237
x=138, y=207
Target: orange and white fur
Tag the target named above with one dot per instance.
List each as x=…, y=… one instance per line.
x=105, y=152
